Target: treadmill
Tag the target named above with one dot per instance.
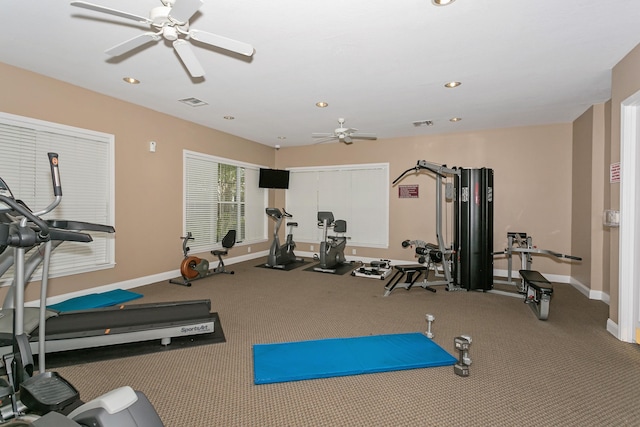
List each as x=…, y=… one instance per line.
x=82, y=329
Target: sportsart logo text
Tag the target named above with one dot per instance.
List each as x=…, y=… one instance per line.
x=196, y=329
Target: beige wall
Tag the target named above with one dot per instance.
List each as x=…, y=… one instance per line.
x=625, y=82
x=532, y=183
x=148, y=185
x=606, y=238
x=581, y=233
x=588, y=203
x=532, y=186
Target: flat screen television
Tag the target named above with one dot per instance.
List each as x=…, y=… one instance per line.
x=273, y=178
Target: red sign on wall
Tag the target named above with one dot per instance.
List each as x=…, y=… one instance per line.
x=408, y=191
x=614, y=172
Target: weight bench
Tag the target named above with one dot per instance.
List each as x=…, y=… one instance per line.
x=413, y=273
x=538, y=292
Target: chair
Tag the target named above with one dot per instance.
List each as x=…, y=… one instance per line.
x=227, y=243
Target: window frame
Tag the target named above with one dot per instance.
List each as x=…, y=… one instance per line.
x=324, y=199
x=250, y=190
x=45, y=136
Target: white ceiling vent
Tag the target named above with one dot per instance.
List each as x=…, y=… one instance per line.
x=423, y=123
x=194, y=102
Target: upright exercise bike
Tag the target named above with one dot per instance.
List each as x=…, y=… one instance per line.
x=332, y=247
x=281, y=255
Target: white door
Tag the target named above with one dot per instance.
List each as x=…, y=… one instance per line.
x=629, y=279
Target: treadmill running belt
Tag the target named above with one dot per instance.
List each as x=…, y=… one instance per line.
x=87, y=355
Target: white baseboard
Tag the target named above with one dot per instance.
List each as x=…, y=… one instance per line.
x=557, y=278
x=140, y=281
x=612, y=328
x=167, y=275
x=355, y=258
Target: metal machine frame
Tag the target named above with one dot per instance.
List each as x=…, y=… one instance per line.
x=439, y=172
x=533, y=287
x=467, y=262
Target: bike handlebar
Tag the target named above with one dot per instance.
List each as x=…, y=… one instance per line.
x=55, y=174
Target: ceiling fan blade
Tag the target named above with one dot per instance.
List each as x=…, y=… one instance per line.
x=188, y=58
x=368, y=136
x=323, y=135
x=133, y=43
x=326, y=139
x=347, y=139
x=183, y=10
x=110, y=11
x=222, y=42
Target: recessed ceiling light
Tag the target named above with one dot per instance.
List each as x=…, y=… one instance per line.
x=442, y=2
x=131, y=80
x=455, y=119
x=229, y=117
x=452, y=84
x=322, y=104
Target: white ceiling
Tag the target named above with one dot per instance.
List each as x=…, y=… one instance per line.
x=380, y=64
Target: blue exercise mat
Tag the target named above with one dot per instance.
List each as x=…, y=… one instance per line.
x=104, y=299
x=293, y=361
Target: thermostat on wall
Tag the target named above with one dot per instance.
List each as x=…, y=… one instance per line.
x=611, y=218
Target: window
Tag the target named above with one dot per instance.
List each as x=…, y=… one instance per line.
x=358, y=194
x=86, y=171
x=221, y=195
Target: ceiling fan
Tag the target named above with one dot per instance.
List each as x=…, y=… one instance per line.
x=171, y=21
x=343, y=134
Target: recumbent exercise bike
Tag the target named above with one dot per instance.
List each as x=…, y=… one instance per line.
x=331, y=254
x=194, y=268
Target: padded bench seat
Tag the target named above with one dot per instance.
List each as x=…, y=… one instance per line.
x=412, y=271
x=406, y=268
x=537, y=281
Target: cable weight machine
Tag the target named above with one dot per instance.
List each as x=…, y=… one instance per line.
x=473, y=223
x=467, y=262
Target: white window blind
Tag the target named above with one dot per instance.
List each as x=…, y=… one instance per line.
x=221, y=195
x=358, y=194
x=86, y=171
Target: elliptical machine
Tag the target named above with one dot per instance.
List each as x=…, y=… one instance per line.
x=281, y=255
x=332, y=247
x=41, y=399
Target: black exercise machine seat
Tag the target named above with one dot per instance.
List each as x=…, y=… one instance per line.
x=537, y=281
x=340, y=226
x=227, y=243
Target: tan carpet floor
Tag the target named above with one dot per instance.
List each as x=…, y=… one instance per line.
x=566, y=371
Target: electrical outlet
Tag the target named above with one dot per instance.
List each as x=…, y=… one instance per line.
x=353, y=251
x=311, y=248
x=249, y=249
